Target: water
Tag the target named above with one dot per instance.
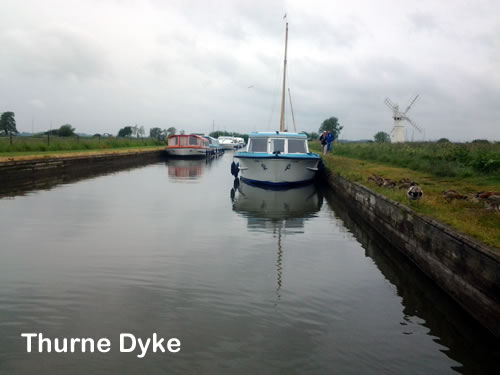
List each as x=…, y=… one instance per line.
x=250, y=281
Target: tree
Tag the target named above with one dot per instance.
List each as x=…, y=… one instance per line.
x=171, y=130
x=135, y=130
x=382, y=137
x=443, y=140
x=140, y=132
x=8, y=123
x=155, y=133
x=66, y=131
x=182, y=132
x=125, y=132
x=331, y=124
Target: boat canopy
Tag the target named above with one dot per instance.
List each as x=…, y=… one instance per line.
x=213, y=141
x=187, y=140
x=284, y=143
x=277, y=134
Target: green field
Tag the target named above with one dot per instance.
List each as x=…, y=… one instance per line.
x=426, y=164
x=440, y=159
x=28, y=145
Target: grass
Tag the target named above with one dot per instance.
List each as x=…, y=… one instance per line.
x=42, y=144
x=65, y=153
x=466, y=216
x=440, y=159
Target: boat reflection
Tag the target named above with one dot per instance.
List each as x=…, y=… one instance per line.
x=187, y=169
x=269, y=209
x=280, y=212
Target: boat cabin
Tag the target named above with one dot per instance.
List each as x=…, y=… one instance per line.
x=282, y=142
x=188, y=140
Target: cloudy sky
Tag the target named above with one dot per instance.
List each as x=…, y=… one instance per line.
x=104, y=64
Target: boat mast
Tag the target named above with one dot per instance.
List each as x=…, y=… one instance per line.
x=282, y=121
x=291, y=108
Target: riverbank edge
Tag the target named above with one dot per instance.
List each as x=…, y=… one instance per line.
x=13, y=171
x=467, y=270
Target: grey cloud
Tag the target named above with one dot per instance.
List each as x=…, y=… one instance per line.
x=422, y=21
x=55, y=52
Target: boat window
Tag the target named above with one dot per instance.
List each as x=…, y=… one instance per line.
x=296, y=146
x=278, y=145
x=258, y=145
x=193, y=141
x=183, y=141
x=172, y=141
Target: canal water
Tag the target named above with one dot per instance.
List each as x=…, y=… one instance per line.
x=250, y=281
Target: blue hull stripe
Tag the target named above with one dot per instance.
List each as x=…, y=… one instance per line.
x=276, y=185
x=256, y=155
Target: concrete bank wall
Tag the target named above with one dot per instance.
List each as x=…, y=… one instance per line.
x=18, y=173
x=464, y=268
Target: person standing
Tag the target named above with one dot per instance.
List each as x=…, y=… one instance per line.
x=330, y=137
x=322, y=139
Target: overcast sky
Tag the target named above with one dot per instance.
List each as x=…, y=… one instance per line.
x=104, y=64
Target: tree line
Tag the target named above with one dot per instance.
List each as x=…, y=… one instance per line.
x=8, y=127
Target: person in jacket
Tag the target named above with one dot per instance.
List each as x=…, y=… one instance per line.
x=322, y=139
x=330, y=137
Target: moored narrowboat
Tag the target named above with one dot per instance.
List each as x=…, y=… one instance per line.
x=188, y=145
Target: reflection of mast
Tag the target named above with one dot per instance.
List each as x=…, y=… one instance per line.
x=279, y=263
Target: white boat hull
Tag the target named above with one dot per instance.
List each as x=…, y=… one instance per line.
x=279, y=171
x=188, y=151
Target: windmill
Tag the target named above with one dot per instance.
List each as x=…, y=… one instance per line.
x=398, y=131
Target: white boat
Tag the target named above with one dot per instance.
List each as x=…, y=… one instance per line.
x=188, y=145
x=214, y=145
x=228, y=143
x=278, y=159
x=240, y=142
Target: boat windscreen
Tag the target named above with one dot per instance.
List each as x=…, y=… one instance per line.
x=258, y=145
x=278, y=145
x=193, y=141
x=296, y=146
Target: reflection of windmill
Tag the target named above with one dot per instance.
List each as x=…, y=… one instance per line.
x=398, y=131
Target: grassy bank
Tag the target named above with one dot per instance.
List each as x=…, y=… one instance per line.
x=467, y=216
x=25, y=145
x=6, y=157
x=440, y=159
